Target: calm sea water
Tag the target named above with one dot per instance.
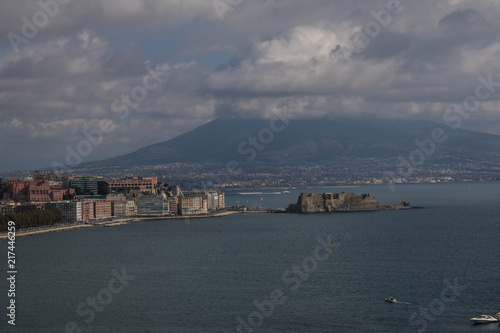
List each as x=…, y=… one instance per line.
x=203, y=275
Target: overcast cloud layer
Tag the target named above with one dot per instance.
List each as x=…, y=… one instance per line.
x=263, y=56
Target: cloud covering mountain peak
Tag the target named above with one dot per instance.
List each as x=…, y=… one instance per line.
x=263, y=57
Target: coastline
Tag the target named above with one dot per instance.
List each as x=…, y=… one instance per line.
x=137, y=219
x=117, y=222
x=44, y=230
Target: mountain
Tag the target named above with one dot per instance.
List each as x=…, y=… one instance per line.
x=226, y=139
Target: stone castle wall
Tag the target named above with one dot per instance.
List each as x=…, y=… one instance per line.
x=330, y=202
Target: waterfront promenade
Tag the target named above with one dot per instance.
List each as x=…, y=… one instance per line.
x=117, y=222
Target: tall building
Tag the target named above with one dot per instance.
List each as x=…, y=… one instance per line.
x=87, y=184
x=193, y=204
x=215, y=200
x=222, y=200
x=173, y=198
x=173, y=205
x=102, y=209
x=87, y=210
x=131, y=208
x=71, y=210
x=152, y=205
x=124, y=208
x=118, y=208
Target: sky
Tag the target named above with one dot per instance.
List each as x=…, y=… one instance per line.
x=67, y=67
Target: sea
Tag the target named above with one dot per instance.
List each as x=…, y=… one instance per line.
x=277, y=272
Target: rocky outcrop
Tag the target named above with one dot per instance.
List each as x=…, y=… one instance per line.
x=338, y=202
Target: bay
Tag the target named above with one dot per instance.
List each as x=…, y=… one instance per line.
x=205, y=275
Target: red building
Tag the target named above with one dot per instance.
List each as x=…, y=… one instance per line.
x=36, y=191
x=133, y=183
x=88, y=210
x=59, y=193
x=102, y=209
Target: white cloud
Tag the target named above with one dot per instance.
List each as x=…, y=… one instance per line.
x=286, y=55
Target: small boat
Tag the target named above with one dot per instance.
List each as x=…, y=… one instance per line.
x=391, y=300
x=484, y=319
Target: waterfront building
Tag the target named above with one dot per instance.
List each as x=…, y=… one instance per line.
x=173, y=204
x=173, y=197
x=87, y=210
x=131, y=208
x=152, y=205
x=193, y=204
x=124, y=208
x=102, y=209
x=222, y=200
x=215, y=200
x=118, y=208
x=71, y=210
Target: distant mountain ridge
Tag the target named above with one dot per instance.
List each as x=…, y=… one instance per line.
x=227, y=139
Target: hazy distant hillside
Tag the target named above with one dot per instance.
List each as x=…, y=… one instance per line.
x=304, y=139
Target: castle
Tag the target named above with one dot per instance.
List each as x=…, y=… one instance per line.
x=334, y=202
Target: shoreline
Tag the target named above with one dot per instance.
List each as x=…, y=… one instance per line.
x=44, y=230
x=116, y=223
x=138, y=219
